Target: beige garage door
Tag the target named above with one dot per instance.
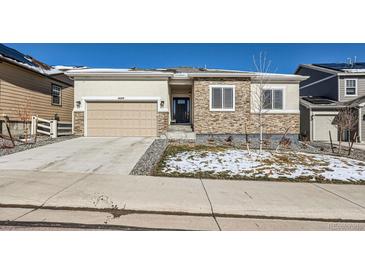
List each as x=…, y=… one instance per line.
x=322, y=125
x=121, y=119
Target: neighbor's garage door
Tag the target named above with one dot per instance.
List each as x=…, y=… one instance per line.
x=121, y=119
x=322, y=125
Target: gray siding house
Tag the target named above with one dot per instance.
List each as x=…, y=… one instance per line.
x=329, y=88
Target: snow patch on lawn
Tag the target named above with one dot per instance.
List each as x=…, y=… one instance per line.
x=236, y=162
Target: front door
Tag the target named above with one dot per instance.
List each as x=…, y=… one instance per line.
x=181, y=110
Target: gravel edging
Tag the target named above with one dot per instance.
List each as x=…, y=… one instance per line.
x=150, y=158
x=323, y=148
x=42, y=141
x=315, y=148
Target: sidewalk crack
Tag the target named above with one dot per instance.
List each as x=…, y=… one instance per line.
x=210, y=203
x=344, y=198
x=53, y=195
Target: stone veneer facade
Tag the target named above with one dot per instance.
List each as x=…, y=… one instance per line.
x=162, y=123
x=233, y=122
x=79, y=123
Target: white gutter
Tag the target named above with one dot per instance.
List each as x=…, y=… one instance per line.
x=116, y=72
x=252, y=75
x=150, y=74
x=351, y=74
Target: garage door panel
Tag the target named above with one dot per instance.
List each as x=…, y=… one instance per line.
x=122, y=119
x=322, y=125
x=103, y=106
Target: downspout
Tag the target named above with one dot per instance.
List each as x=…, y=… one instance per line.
x=310, y=123
x=359, y=126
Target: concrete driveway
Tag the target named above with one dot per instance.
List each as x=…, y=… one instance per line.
x=109, y=155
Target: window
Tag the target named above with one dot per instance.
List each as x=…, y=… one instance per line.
x=56, y=95
x=272, y=99
x=351, y=87
x=222, y=98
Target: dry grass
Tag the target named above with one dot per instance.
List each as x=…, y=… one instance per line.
x=289, y=160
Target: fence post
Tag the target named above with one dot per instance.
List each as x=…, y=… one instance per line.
x=53, y=128
x=33, y=128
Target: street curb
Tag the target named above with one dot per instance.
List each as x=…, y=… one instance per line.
x=120, y=212
x=83, y=226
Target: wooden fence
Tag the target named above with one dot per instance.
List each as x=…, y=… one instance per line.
x=52, y=128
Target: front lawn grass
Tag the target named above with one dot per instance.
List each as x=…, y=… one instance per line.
x=287, y=163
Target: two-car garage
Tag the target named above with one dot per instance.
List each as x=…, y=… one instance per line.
x=120, y=102
x=120, y=119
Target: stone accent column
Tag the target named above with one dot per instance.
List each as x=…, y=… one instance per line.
x=78, y=123
x=162, y=122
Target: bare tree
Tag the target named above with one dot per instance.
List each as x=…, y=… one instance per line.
x=259, y=96
x=24, y=112
x=347, y=121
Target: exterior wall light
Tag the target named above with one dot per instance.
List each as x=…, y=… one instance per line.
x=162, y=104
x=78, y=104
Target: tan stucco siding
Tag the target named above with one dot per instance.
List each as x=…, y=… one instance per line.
x=291, y=96
x=19, y=85
x=135, y=88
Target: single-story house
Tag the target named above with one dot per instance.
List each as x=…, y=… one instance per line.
x=214, y=102
x=29, y=87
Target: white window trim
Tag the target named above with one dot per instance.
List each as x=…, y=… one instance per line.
x=273, y=110
x=60, y=91
x=350, y=95
x=222, y=109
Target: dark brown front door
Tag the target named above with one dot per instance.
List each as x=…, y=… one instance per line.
x=181, y=110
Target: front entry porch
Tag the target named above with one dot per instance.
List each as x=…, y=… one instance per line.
x=181, y=104
x=181, y=132
x=181, y=120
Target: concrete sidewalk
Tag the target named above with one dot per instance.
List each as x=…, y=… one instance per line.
x=178, y=196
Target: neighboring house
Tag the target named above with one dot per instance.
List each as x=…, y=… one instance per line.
x=329, y=88
x=28, y=85
x=138, y=102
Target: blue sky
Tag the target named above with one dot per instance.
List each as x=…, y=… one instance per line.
x=285, y=57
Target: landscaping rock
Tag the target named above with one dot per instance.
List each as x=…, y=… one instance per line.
x=41, y=141
x=150, y=158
